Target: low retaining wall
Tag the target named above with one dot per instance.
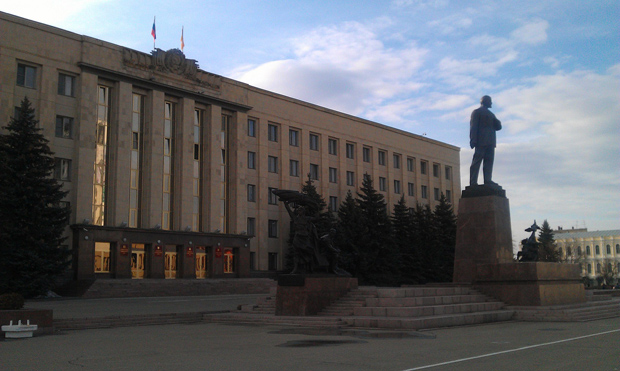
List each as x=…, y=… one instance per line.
x=307, y=296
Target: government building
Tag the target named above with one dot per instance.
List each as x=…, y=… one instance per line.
x=169, y=168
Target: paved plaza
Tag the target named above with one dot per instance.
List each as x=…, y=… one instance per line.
x=209, y=346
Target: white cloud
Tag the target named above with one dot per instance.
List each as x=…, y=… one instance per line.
x=532, y=33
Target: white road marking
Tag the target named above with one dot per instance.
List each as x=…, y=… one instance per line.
x=510, y=350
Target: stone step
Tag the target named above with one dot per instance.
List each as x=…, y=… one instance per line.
x=307, y=321
x=403, y=292
x=425, y=300
x=127, y=321
x=588, y=311
x=431, y=321
x=431, y=310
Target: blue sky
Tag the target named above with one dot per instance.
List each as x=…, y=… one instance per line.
x=552, y=68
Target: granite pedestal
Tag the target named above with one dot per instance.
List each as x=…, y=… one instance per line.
x=300, y=295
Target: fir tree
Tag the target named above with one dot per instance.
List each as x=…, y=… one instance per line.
x=349, y=230
x=425, y=242
x=445, y=227
x=547, y=249
x=404, y=235
x=32, y=220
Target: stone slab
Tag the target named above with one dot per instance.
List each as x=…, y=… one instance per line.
x=316, y=294
x=531, y=284
x=43, y=318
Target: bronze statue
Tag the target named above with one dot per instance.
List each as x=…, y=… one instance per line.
x=482, y=128
x=529, y=251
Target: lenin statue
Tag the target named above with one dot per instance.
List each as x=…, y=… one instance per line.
x=483, y=126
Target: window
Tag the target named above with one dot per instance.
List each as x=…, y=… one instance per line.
x=314, y=172
x=251, y=193
x=397, y=186
x=410, y=162
x=229, y=261
x=423, y=167
x=448, y=172
x=424, y=191
x=62, y=169
x=436, y=170
x=26, y=76
x=382, y=158
x=350, y=150
x=589, y=268
x=410, y=189
x=608, y=249
x=598, y=267
x=251, y=128
x=293, y=137
x=273, y=164
x=251, y=227
x=396, y=161
x=272, y=133
x=64, y=127
x=436, y=194
x=617, y=249
x=332, y=146
x=333, y=175
x=569, y=251
x=272, y=228
x=272, y=261
x=251, y=160
x=350, y=178
x=272, y=199
x=66, y=85
x=588, y=252
x=382, y=184
x=449, y=195
x=366, y=154
x=294, y=168
x=314, y=142
x=579, y=250
x=598, y=250
x=333, y=203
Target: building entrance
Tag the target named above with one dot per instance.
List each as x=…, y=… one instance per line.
x=137, y=261
x=201, y=263
x=170, y=265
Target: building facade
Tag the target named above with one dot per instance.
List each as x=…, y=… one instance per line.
x=598, y=252
x=169, y=167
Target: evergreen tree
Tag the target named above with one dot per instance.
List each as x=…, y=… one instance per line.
x=349, y=230
x=547, y=248
x=404, y=236
x=425, y=242
x=32, y=221
x=445, y=227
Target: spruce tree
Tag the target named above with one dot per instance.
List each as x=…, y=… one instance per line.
x=32, y=220
x=445, y=227
x=425, y=242
x=547, y=249
x=349, y=229
x=404, y=235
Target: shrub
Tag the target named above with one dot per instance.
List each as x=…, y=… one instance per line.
x=11, y=301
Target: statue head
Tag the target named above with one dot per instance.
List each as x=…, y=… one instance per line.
x=486, y=101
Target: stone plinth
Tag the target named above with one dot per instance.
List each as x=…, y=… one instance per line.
x=299, y=295
x=531, y=284
x=483, y=233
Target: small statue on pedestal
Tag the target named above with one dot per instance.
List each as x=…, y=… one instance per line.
x=529, y=251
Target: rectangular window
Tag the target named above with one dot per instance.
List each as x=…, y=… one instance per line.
x=423, y=167
x=449, y=195
x=411, y=189
x=251, y=160
x=294, y=168
x=350, y=178
x=251, y=128
x=396, y=161
x=314, y=172
x=62, y=169
x=26, y=76
x=332, y=146
x=272, y=261
x=272, y=199
x=66, y=85
x=436, y=194
x=350, y=150
x=382, y=184
x=333, y=175
x=397, y=186
x=436, y=170
x=382, y=158
x=314, y=142
x=273, y=164
x=168, y=191
x=197, y=172
x=64, y=127
x=100, y=164
x=251, y=227
x=448, y=172
x=410, y=162
x=333, y=203
x=272, y=133
x=424, y=191
x=366, y=154
x=293, y=137
x=251, y=193
x=272, y=228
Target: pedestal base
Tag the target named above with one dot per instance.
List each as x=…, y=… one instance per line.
x=299, y=295
x=531, y=284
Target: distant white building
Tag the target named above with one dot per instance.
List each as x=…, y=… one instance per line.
x=596, y=251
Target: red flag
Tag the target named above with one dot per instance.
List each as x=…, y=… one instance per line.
x=153, y=33
x=182, y=42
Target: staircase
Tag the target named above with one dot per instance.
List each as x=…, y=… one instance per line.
x=597, y=307
x=416, y=308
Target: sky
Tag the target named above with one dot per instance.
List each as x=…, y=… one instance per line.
x=551, y=67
